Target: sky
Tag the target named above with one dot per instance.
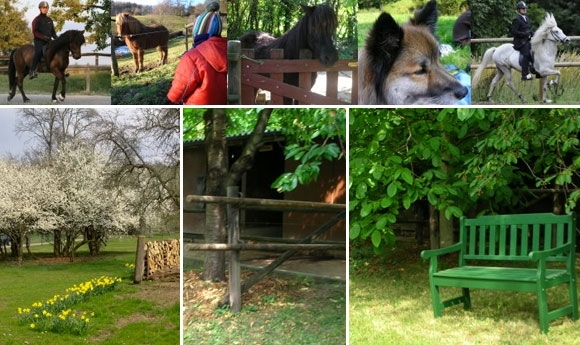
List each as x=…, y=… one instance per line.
x=10, y=142
x=33, y=11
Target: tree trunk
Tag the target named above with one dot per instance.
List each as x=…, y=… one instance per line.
x=433, y=227
x=57, y=245
x=215, y=217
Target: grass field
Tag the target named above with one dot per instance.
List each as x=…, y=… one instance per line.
x=275, y=311
x=150, y=86
x=148, y=313
x=390, y=303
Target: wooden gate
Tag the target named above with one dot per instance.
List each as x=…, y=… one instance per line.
x=246, y=75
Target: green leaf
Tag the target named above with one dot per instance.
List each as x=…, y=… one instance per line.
x=354, y=231
x=366, y=210
x=392, y=189
x=407, y=175
x=361, y=191
x=380, y=224
x=376, y=238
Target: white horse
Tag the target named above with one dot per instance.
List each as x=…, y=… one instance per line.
x=544, y=48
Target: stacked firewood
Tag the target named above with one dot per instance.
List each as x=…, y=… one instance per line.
x=161, y=259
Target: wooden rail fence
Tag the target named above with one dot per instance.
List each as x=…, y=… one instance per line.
x=246, y=75
x=236, y=287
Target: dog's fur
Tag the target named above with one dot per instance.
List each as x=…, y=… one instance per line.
x=400, y=65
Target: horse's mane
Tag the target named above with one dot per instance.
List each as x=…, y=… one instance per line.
x=548, y=24
x=62, y=41
x=128, y=24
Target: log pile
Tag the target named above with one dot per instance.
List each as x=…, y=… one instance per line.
x=161, y=259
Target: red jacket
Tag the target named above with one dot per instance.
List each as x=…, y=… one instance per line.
x=201, y=75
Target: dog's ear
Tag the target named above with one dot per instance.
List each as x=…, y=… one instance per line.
x=383, y=44
x=426, y=16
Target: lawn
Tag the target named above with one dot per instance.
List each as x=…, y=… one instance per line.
x=390, y=304
x=148, y=313
x=275, y=311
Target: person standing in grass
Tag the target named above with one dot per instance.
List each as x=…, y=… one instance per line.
x=201, y=75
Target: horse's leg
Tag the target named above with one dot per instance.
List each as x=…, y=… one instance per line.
x=136, y=60
x=509, y=82
x=140, y=53
x=19, y=83
x=496, y=78
x=59, y=77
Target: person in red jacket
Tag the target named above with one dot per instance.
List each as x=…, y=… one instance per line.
x=201, y=75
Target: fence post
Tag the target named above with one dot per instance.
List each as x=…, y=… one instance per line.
x=234, y=72
x=88, y=79
x=235, y=281
x=139, y=260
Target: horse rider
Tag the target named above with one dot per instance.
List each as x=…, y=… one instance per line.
x=43, y=31
x=522, y=32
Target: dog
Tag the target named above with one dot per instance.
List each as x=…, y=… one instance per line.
x=399, y=64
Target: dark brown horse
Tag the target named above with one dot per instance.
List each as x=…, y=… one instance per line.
x=56, y=60
x=139, y=37
x=314, y=31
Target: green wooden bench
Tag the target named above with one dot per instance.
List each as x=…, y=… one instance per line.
x=544, y=239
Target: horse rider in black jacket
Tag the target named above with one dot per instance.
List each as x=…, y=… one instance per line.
x=522, y=32
x=43, y=31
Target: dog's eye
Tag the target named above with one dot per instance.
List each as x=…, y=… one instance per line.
x=421, y=71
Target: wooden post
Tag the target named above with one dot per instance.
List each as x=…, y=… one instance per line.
x=275, y=97
x=235, y=280
x=139, y=260
x=234, y=72
x=88, y=79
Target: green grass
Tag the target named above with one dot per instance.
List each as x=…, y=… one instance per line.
x=502, y=94
x=150, y=86
x=460, y=58
x=127, y=315
x=390, y=300
x=76, y=84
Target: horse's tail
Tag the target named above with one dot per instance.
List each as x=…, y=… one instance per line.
x=484, y=62
x=12, y=71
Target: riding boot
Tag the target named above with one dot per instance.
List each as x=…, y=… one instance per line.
x=33, y=69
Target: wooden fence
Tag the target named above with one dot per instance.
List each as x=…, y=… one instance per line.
x=246, y=75
x=234, y=203
x=156, y=259
x=87, y=70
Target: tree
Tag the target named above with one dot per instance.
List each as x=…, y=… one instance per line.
x=144, y=154
x=312, y=135
x=95, y=14
x=459, y=161
x=13, y=26
x=53, y=127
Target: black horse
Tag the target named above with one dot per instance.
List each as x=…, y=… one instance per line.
x=56, y=61
x=314, y=31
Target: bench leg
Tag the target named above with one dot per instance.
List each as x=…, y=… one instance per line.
x=436, y=299
x=543, y=309
x=573, y=298
x=466, y=299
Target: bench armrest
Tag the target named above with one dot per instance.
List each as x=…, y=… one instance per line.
x=543, y=254
x=426, y=254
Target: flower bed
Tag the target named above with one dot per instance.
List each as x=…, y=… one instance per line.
x=56, y=314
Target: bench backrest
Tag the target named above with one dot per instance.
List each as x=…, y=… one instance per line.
x=513, y=237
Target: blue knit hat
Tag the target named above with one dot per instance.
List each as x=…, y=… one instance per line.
x=207, y=24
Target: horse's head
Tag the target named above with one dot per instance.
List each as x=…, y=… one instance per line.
x=127, y=25
x=549, y=30
x=321, y=22
x=77, y=39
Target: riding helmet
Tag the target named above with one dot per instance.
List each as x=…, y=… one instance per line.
x=43, y=4
x=520, y=5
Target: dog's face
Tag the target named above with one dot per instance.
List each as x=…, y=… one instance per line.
x=400, y=64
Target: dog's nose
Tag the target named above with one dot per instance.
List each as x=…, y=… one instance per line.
x=460, y=92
